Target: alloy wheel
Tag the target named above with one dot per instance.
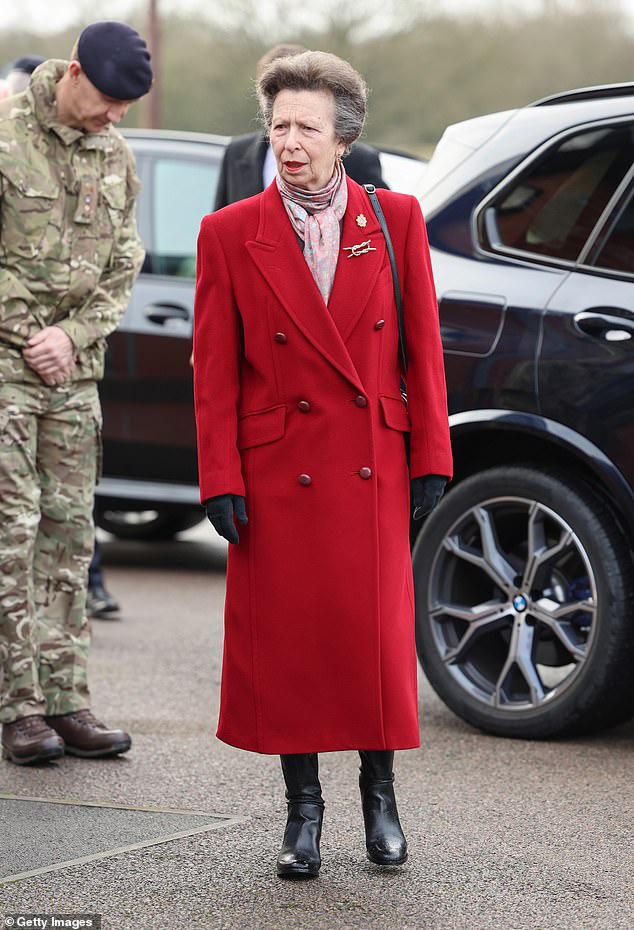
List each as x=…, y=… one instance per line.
x=512, y=603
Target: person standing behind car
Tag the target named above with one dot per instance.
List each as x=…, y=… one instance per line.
x=100, y=604
x=19, y=76
x=248, y=165
x=70, y=252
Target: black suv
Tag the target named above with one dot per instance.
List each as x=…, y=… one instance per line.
x=525, y=572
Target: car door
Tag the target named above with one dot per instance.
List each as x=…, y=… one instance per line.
x=569, y=209
x=147, y=394
x=587, y=360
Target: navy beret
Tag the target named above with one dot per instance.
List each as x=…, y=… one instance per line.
x=27, y=64
x=115, y=58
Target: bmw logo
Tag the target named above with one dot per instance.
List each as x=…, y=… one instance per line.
x=519, y=603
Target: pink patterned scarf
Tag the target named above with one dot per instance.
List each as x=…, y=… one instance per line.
x=315, y=217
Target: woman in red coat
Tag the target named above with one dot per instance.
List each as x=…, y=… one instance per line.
x=302, y=457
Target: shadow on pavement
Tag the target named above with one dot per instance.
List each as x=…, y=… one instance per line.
x=623, y=733
x=175, y=554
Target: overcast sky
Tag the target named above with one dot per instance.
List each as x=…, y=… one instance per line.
x=53, y=15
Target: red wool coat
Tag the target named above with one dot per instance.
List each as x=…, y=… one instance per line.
x=298, y=408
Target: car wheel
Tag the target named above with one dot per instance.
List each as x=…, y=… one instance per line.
x=146, y=525
x=524, y=605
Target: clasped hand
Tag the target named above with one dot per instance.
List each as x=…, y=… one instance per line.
x=51, y=354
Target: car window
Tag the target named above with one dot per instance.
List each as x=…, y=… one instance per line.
x=552, y=208
x=184, y=191
x=617, y=252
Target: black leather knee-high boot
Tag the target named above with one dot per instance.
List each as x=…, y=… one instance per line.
x=299, y=856
x=384, y=838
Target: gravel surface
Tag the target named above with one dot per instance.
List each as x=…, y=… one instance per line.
x=503, y=835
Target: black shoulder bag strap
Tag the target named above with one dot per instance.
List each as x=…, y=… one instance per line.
x=376, y=206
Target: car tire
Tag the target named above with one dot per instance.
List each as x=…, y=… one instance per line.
x=525, y=605
x=146, y=525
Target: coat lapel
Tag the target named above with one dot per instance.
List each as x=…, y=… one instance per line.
x=356, y=274
x=279, y=259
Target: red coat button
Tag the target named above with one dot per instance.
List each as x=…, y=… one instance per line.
x=365, y=472
x=304, y=406
x=379, y=324
x=305, y=480
x=280, y=337
x=361, y=401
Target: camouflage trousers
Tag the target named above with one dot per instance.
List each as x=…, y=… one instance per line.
x=50, y=440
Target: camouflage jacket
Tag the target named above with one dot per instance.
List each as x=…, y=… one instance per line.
x=69, y=246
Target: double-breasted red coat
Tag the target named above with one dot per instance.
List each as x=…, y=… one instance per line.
x=298, y=408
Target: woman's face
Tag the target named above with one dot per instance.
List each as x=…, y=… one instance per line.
x=303, y=137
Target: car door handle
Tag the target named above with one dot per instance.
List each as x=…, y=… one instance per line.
x=162, y=313
x=604, y=324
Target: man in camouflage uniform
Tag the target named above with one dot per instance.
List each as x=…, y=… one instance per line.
x=69, y=253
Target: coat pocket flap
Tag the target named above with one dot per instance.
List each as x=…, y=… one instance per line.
x=113, y=192
x=395, y=413
x=256, y=429
x=28, y=182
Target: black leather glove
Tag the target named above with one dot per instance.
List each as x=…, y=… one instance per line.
x=221, y=511
x=426, y=492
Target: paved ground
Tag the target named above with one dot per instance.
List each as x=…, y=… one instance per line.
x=504, y=835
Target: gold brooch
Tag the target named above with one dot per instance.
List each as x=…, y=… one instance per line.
x=361, y=221
x=360, y=249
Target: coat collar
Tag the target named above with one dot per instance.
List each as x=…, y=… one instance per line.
x=41, y=93
x=277, y=255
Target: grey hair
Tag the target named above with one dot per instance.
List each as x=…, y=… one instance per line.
x=281, y=50
x=319, y=71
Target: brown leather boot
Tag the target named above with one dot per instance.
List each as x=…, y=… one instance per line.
x=86, y=736
x=29, y=739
